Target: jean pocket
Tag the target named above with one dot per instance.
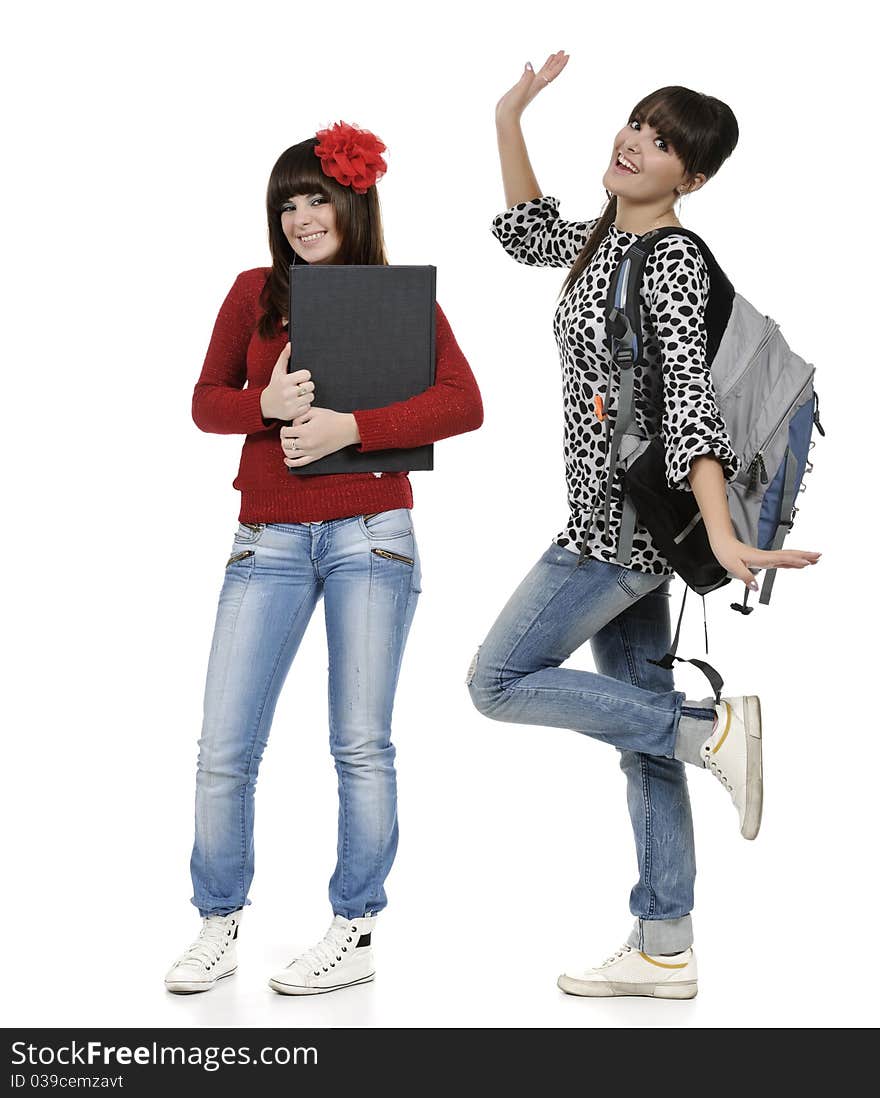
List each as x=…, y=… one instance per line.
x=387, y=555
x=240, y=555
x=637, y=583
x=384, y=525
x=249, y=532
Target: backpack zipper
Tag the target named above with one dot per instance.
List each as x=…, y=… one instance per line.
x=819, y=426
x=757, y=464
x=392, y=556
x=769, y=330
x=758, y=460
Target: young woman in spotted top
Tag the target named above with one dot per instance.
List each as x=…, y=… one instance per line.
x=672, y=142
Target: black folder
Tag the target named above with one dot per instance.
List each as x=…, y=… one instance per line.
x=367, y=335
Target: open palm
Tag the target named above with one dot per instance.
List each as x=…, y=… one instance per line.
x=739, y=558
x=515, y=101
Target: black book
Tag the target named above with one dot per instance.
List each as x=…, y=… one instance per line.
x=367, y=335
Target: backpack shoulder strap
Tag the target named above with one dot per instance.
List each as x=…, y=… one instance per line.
x=624, y=337
x=626, y=282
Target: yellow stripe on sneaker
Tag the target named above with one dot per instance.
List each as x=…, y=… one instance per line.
x=727, y=709
x=660, y=964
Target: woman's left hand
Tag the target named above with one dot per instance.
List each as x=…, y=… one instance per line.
x=316, y=433
x=736, y=556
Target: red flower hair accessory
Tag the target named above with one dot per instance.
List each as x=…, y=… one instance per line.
x=351, y=156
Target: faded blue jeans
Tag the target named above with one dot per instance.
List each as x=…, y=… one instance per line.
x=367, y=569
x=517, y=676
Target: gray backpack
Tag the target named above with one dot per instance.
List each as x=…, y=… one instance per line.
x=766, y=396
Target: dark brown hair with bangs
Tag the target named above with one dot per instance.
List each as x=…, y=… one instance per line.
x=702, y=132
x=358, y=221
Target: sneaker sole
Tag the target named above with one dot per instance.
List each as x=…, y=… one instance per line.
x=191, y=987
x=754, y=768
x=293, y=989
x=602, y=989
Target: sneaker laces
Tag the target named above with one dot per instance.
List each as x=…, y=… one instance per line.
x=211, y=943
x=622, y=952
x=329, y=951
x=719, y=774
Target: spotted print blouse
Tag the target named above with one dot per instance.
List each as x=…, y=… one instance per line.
x=673, y=393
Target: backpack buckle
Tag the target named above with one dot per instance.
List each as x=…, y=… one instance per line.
x=623, y=338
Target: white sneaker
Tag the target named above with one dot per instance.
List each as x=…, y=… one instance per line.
x=209, y=958
x=343, y=957
x=631, y=972
x=733, y=754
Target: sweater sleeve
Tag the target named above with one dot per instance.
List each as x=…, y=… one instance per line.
x=676, y=285
x=533, y=233
x=451, y=406
x=221, y=404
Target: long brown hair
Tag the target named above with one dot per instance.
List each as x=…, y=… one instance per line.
x=358, y=221
x=701, y=130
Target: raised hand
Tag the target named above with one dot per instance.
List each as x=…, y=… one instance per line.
x=531, y=83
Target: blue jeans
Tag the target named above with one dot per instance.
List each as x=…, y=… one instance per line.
x=629, y=703
x=367, y=568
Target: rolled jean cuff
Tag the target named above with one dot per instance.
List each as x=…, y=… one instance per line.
x=656, y=936
x=694, y=728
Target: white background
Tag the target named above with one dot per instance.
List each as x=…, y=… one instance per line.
x=139, y=143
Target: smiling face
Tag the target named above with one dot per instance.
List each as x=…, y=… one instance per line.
x=309, y=223
x=651, y=170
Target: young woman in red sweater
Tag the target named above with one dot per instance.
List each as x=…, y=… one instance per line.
x=346, y=537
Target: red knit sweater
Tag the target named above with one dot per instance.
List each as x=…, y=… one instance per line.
x=269, y=492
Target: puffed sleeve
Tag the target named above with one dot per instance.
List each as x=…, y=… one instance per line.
x=676, y=283
x=533, y=233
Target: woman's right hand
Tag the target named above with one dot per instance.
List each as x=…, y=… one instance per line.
x=511, y=105
x=287, y=395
